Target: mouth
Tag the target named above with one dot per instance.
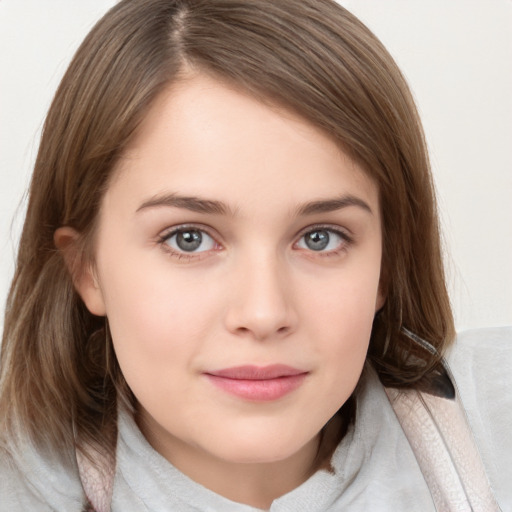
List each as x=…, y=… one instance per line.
x=258, y=383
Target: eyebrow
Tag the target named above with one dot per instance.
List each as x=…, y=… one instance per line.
x=192, y=203
x=331, y=205
x=210, y=206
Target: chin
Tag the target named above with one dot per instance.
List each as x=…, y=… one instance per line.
x=264, y=449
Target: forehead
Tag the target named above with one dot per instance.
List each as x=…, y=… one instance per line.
x=203, y=137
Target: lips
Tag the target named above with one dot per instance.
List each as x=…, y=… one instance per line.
x=258, y=383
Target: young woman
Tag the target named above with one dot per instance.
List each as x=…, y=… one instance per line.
x=229, y=292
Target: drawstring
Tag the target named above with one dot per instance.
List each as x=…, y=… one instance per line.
x=438, y=431
x=97, y=478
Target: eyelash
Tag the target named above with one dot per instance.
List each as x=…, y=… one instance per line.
x=346, y=240
x=163, y=239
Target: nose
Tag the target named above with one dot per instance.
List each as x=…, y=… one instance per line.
x=261, y=299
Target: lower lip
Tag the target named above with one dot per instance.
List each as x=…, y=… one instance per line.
x=265, y=390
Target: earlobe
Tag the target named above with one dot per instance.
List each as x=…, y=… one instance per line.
x=84, y=278
x=381, y=300
x=381, y=294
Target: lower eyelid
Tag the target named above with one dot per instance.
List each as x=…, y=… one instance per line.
x=186, y=256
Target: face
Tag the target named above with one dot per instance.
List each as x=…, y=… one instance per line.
x=237, y=260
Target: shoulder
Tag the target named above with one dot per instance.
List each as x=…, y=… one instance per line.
x=490, y=344
x=481, y=362
x=15, y=492
x=31, y=482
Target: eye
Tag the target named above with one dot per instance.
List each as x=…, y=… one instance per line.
x=189, y=240
x=322, y=240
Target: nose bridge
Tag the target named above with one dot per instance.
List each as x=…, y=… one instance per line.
x=261, y=303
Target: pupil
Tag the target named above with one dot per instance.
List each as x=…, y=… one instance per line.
x=317, y=240
x=189, y=240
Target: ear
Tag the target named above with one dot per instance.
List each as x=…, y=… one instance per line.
x=381, y=299
x=84, y=278
x=382, y=292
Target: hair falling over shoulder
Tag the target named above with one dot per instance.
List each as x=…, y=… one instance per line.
x=60, y=383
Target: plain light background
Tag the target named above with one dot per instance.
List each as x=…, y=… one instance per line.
x=457, y=57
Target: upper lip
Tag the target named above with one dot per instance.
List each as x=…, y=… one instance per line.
x=251, y=372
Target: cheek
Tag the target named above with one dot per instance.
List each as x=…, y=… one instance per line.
x=144, y=297
x=158, y=322
x=344, y=302
x=341, y=323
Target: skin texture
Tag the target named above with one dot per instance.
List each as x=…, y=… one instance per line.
x=254, y=292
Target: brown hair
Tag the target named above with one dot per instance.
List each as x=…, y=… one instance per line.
x=59, y=377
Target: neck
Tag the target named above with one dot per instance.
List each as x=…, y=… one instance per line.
x=255, y=484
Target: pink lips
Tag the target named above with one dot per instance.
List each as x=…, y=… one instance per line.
x=258, y=383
